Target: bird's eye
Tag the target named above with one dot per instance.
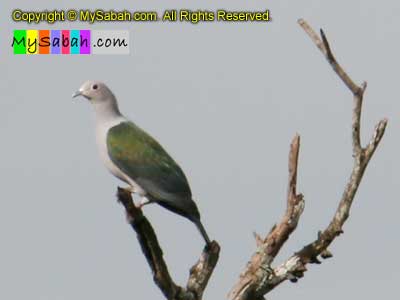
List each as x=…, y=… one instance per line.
x=95, y=87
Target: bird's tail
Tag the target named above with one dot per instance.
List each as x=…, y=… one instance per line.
x=203, y=232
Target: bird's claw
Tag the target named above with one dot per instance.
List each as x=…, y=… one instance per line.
x=139, y=205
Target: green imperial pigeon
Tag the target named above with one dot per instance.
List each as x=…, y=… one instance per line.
x=133, y=156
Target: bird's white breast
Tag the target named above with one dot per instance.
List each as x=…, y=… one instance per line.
x=102, y=129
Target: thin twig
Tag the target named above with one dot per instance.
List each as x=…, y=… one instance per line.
x=323, y=45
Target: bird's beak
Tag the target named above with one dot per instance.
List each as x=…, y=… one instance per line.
x=76, y=94
x=80, y=93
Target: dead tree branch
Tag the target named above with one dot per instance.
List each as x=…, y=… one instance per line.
x=200, y=273
x=259, y=266
x=259, y=278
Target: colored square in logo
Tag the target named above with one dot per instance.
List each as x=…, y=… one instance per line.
x=19, y=42
x=32, y=43
x=75, y=42
x=55, y=42
x=44, y=41
x=65, y=42
x=85, y=41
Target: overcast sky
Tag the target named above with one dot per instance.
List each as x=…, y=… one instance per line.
x=224, y=99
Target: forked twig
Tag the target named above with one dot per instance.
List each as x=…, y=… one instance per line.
x=200, y=273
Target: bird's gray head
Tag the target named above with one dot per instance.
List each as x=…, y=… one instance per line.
x=95, y=91
x=103, y=100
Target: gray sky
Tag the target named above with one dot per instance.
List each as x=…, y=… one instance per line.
x=225, y=101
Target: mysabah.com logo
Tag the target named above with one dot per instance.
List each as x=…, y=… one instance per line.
x=70, y=42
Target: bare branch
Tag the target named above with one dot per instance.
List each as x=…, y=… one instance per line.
x=200, y=273
x=376, y=138
x=258, y=277
x=149, y=244
x=295, y=265
x=258, y=269
x=323, y=45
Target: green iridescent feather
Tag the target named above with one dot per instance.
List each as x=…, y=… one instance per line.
x=145, y=161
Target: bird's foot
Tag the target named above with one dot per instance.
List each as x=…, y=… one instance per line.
x=143, y=202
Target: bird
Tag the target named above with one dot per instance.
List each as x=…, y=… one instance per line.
x=136, y=158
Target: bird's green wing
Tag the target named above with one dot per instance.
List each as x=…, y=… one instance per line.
x=144, y=160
